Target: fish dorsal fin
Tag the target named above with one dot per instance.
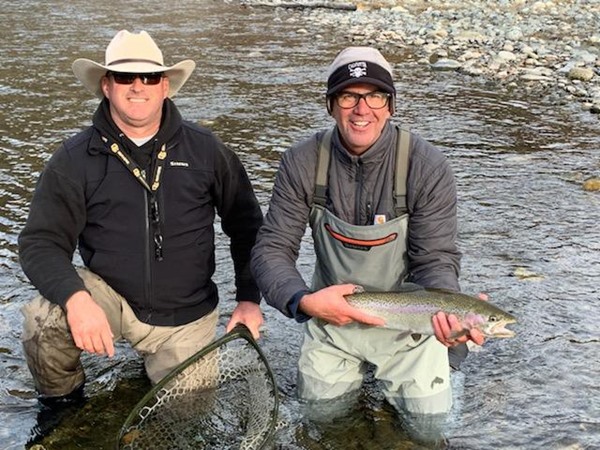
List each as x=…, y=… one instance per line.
x=410, y=287
x=413, y=287
x=442, y=290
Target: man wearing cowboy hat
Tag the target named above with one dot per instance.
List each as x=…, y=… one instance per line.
x=137, y=192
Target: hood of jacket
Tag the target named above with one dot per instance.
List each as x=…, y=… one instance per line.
x=103, y=122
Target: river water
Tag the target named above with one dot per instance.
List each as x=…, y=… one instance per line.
x=528, y=231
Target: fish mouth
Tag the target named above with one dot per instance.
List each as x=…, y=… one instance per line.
x=499, y=330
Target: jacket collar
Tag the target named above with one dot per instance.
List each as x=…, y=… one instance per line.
x=105, y=126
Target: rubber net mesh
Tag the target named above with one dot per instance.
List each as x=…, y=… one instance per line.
x=224, y=397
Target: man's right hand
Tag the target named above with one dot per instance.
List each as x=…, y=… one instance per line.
x=330, y=305
x=89, y=325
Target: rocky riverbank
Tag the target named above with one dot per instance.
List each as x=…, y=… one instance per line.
x=550, y=47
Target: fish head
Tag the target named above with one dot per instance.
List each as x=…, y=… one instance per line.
x=495, y=325
x=491, y=325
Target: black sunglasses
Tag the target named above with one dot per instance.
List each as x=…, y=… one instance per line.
x=128, y=78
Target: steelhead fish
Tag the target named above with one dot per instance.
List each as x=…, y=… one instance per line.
x=412, y=310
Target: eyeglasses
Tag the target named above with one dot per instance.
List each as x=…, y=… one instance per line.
x=128, y=78
x=374, y=100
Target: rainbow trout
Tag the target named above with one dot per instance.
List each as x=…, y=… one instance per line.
x=412, y=310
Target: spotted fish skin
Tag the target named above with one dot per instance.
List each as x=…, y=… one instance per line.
x=412, y=310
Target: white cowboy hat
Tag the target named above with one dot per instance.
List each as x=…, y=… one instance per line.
x=133, y=53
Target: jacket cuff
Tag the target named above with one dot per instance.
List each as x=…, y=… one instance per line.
x=294, y=304
x=65, y=290
x=248, y=294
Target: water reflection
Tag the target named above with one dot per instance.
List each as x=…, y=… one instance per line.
x=519, y=160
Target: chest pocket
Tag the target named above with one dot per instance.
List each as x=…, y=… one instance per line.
x=373, y=256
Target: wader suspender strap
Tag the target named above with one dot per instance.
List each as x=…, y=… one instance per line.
x=322, y=168
x=400, y=174
x=138, y=173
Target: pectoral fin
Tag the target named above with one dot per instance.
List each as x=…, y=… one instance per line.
x=457, y=334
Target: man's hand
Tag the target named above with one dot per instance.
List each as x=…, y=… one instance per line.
x=450, y=332
x=249, y=314
x=330, y=305
x=88, y=324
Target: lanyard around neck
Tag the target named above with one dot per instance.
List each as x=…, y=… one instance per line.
x=138, y=173
x=136, y=170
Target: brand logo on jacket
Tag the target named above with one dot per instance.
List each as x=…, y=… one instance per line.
x=179, y=164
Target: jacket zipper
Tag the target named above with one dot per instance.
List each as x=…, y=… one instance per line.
x=148, y=257
x=359, y=188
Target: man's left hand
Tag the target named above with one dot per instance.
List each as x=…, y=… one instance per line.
x=447, y=327
x=249, y=314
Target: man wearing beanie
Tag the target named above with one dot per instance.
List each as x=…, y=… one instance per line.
x=381, y=203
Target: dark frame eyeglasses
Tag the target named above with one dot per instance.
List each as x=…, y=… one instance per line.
x=374, y=99
x=151, y=79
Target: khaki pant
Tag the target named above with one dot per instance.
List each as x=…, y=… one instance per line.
x=54, y=360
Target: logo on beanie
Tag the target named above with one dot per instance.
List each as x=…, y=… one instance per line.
x=357, y=69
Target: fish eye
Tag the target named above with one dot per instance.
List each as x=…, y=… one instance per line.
x=493, y=319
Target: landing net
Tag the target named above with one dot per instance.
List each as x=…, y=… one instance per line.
x=222, y=398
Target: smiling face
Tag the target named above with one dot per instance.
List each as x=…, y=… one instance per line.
x=361, y=126
x=136, y=108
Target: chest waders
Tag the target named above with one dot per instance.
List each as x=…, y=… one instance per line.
x=414, y=369
x=357, y=254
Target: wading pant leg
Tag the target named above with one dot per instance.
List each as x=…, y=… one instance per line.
x=164, y=348
x=329, y=374
x=417, y=383
x=51, y=354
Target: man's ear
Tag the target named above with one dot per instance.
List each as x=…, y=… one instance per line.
x=329, y=101
x=166, y=85
x=104, y=85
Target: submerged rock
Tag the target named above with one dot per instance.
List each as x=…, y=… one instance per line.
x=446, y=64
x=593, y=184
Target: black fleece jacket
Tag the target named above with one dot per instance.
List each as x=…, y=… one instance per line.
x=87, y=197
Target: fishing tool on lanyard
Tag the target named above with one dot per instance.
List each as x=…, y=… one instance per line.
x=138, y=173
x=222, y=398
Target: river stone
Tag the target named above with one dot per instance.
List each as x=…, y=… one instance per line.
x=593, y=184
x=543, y=71
x=514, y=34
x=471, y=36
x=581, y=73
x=504, y=55
x=584, y=56
x=446, y=64
x=533, y=77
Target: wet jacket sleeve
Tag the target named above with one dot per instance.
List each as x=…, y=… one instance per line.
x=276, y=252
x=434, y=259
x=49, y=238
x=241, y=218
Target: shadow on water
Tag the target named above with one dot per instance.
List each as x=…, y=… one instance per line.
x=528, y=231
